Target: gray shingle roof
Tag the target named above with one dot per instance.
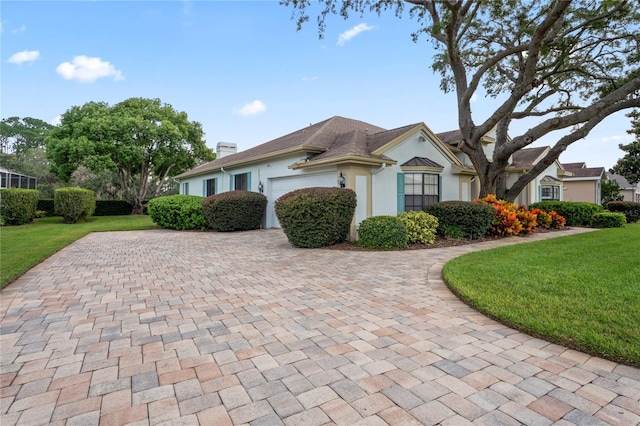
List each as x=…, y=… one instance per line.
x=422, y=161
x=527, y=157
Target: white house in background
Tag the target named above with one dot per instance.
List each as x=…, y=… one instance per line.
x=390, y=171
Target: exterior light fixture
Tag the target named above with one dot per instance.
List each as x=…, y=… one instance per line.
x=260, y=187
x=342, y=181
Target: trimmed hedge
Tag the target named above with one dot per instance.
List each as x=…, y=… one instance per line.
x=382, y=232
x=472, y=219
x=18, y=206
x=47, y=205
x=630, y=209
x=316, y=217
x=608, y=220
x=421, y=227
x=113, y=208
x=234, y=211
x=576, y=213
x=181, y=212
x=74, y=204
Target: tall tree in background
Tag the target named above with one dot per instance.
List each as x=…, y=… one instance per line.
x=629, y=165
x=143, y=140
x=562, y=66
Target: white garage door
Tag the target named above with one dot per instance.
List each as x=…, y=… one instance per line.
x=277, y=187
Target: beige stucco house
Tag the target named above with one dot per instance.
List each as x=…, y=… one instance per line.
x=584, y=183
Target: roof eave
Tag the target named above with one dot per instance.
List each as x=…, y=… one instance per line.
x=350, y=158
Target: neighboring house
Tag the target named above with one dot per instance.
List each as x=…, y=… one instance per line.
x=584, y=183
x=629, y=191
x=546, y=186
x=390, y=171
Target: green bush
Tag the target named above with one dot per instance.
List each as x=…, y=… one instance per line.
x=74, y=204
x=421, y=227
x=608, y=220
x=47, y=205
x=630, y=209
x=18, y=206
x=382, y=232
x=472, y=219
x=113, y=208
x=234, y=211
x=181, y=212
x=576, y=213
x=316, y=217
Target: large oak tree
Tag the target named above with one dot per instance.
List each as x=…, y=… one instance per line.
x=143, y=140
x=560, y=66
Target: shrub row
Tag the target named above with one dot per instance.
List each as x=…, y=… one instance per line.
x=316, y=217
x=17, y=206
x=608, y=220
x=103, y=207
x=630, y=209
x=576, y=213
x=234, y=211
x=382, y=232
x=74, y=204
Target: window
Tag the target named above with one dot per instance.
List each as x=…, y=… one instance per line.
x=185, y=188
x=420, y=190
x=551, y=192
x=210, y=186
x=240, y=182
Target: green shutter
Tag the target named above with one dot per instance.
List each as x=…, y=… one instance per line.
x=539, y=192
x=400, y=192
x=248, y=181
x=230, y=182
x=204, y=188
x=215, y=185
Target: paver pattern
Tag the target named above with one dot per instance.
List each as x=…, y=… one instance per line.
x=162, y=327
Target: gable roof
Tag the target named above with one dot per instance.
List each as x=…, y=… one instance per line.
x=451, y=137
x=528, y=157
x=580, y=171
x=331, y=140
x=623, y=183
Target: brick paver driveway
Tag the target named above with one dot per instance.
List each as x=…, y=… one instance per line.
x=157, y=327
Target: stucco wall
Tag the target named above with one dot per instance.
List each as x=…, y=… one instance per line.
x=580, y=191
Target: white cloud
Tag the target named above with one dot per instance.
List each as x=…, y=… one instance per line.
x=86, y=69
x=352, y=32
x=616, y=138
x=24, y=56
x=473, y=98
x=252, y=108
x=57, y=120
x=20, y=30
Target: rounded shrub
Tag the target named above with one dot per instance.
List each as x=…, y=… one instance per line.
x=630, y=209
x=421, y=227
x=316, y=217
x=74, y=204
x=234, y=211
x=18, y=206
x=382, y=232
x=608, y=220
x=181, y=212
x=472, y=219
x=576, y=213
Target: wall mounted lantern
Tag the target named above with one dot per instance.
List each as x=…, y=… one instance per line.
x=342, y=181
x=260, y=187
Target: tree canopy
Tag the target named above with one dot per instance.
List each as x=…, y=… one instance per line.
x=143, y=140
x=20, y=134
x=629, y=165
x=561, y=67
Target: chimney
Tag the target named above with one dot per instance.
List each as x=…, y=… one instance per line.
x=225, y=148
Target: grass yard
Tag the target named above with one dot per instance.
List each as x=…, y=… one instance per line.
x=23, y=247
x=581, y=291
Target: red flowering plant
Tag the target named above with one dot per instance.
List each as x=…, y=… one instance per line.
x=557, y=221
x=543, y=218
x=506, y=221
x=528, y=219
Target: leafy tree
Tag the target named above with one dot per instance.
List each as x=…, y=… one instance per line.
x=629, y=165
x=20, y=134
x=563, y=66
x=143, y=140
x=610, y=191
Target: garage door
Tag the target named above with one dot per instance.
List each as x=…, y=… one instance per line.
x=277, y=187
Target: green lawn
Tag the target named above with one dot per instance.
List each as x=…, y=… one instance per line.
x=581, y=291
x=22, y=247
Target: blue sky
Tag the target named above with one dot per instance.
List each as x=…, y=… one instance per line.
x=238, y=67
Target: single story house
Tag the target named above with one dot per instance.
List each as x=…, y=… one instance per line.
x=584, y=183
x=629, y=191
x=391, y=171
